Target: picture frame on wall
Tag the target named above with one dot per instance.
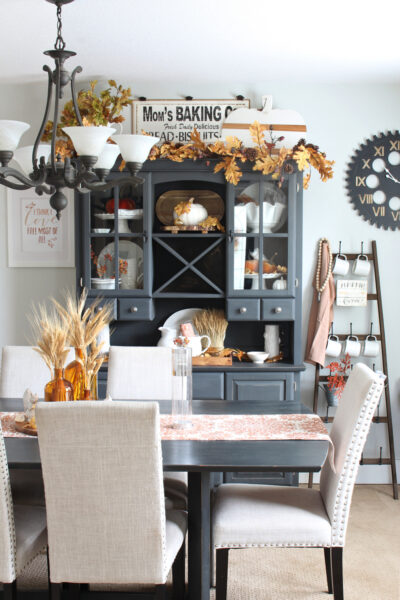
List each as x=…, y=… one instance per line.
x=35, y=237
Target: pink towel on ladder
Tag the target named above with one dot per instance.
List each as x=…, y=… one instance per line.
x=321, y=315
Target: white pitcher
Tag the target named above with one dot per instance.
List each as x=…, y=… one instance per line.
x=168, y=335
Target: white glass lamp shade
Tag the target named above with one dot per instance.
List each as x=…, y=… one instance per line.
x=107, y=157
x=88, y=141
x=23, y=156
x=11, y=133
x=135, y=148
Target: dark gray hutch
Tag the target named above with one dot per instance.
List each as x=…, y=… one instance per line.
x=162, y=272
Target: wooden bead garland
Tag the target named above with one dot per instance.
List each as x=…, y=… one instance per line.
x=320, y=288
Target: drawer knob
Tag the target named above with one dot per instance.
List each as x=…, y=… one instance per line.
x=278, y=309
x=134, y=309
x=242, y=310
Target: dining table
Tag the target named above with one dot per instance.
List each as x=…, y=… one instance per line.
x=201, y=458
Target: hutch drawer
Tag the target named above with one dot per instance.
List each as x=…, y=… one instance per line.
x=279, y=309
x=243, y=309
x=259, y=386
x=135, y=309
x=208, y=386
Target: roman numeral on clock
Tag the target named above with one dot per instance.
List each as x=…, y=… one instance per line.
x=379, y=211
x=379, y=150
x=365, y=198
x=394, y=145
x=360, y=181
x=366, y=162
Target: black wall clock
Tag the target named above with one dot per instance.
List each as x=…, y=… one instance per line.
x=373, y=180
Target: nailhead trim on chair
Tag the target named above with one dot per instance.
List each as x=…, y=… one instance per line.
x=6, y=491
x=297, y=545
x=349, y=474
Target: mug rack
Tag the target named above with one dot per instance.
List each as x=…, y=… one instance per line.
x=377, y=296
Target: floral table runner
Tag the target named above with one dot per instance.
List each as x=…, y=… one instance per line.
x=227, y=428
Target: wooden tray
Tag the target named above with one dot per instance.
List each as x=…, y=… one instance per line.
x=211, y=201
x=178, y=228
x=200, y=361
x=24, y=427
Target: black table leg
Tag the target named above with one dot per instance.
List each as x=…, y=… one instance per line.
x=199, y=535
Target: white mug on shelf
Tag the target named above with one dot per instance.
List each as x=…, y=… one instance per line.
x=195, y=344
x=371, y=346
x=361, y=266
x=352, y=346
x=333, y=347
x=341, y=266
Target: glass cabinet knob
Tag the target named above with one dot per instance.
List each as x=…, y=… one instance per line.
x=134, y=309
x=242, y=310
x=278, y=309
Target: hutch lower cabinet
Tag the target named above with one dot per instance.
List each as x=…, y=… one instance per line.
x=128, y=254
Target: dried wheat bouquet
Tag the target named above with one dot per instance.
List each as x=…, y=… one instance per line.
x=50, y=336
x=212, y=322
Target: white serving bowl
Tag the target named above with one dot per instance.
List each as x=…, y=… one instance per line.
x=101, y=230
x=258, y=357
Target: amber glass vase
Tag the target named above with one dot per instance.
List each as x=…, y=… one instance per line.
x=75, y=373
x=58, y=389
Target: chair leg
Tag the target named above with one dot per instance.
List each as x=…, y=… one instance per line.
x=55, y=591
x=222, y=555
x=178, y=575
x=161, y=592
x=10, y=590
x=337, y=573
x=74, y=591
x=328, y=569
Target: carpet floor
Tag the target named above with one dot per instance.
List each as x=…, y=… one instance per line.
x=371, y=560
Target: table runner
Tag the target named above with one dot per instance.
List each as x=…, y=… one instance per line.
x=227, y=428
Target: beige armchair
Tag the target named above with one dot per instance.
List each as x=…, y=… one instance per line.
x=22, y=531
x=106, y=517
x=248, y=516
x=145, y=373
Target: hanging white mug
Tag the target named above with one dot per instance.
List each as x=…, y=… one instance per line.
x=333, y=347
x=341, y=266
x=352, y=346
x=361, y=266
x=371, y=346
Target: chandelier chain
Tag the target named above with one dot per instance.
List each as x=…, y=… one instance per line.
x=60, y=44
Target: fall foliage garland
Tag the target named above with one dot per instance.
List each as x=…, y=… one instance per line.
x=264, y=155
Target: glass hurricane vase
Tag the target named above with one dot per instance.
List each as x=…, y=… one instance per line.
x=75, y=373
x=58, y=389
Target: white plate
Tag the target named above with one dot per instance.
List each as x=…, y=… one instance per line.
x=264, y=276
x=100, y=230
x=175, y=320
x=122, y=214
x=127, y=250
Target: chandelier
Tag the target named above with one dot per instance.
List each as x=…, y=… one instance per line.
x=42, y=168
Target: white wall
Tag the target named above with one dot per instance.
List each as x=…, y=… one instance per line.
x=338, y=118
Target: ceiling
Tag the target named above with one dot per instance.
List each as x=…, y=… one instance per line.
x=206, y=41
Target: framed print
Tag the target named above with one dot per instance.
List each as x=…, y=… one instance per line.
x=174, y=120
x=35, y=237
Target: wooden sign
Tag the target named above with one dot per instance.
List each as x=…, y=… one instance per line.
x=174, y=120
x=351, y=292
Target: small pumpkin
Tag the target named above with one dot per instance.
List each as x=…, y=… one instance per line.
x=189, y=213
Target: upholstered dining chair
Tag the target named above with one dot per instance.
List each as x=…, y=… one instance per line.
x=23, y=532
x=23, y=368
x=145, y=373
x=106, y=517
x=250, y=516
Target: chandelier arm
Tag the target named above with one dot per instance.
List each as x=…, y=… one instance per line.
x=74, y=96
x=44, y=189
x=26, y=182
x=97, y=186
x=55, y=119
x=45, y=117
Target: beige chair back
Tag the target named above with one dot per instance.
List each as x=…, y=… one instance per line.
x=7, y=526
x=139, y=373
x=349, y=431
x=22, y=368
x=102, y=471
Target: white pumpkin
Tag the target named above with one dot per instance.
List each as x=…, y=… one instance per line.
x=280, y=284
x=287, y=123
x=194, y=216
